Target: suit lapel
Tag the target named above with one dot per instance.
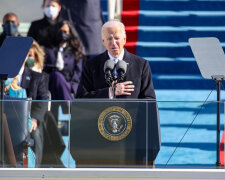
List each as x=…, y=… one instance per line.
x=26, y=78
x=128, y=60
x=105, y=57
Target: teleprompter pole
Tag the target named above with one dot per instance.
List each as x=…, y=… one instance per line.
x=218, y=80
x=218, y=83
x=210, y=58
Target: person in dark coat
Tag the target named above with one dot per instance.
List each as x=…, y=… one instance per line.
x=47, y=137
x=43, y=30
x=64, y=63
x=10, y=24
x=87, y=18
x=137, y=82
x=34, y=81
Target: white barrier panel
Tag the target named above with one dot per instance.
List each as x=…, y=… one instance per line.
x=111, y=174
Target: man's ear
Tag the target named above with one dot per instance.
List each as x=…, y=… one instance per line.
x=103, y=42
x=125, y=40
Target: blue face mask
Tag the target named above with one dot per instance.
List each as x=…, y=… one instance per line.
x=10, y=28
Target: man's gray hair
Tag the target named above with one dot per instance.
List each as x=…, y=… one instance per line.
x=112, y=23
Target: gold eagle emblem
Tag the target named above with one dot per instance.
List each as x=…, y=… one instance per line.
x=114, y=123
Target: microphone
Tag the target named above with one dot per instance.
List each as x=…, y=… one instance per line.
x=108, y=69
x=121, y=69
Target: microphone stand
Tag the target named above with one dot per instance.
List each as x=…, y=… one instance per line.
x=114, y=89
x=116, y=80
x=109, y=81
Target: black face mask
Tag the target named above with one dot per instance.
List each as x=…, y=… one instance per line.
x=63, y=37
x=10, y=28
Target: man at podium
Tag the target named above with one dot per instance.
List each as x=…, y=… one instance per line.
x=96, y=125
x=137, y=82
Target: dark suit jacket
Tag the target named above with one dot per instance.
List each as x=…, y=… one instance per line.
x=44, y=31
x=36, y=87
x=93, y=84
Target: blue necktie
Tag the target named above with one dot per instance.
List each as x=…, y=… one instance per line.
x=114, y=71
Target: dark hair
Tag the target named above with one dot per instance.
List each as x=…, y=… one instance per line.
x=57, y=1
x=74, y=43
x=9, y=14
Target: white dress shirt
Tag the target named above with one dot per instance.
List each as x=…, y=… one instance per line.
x=120, y=57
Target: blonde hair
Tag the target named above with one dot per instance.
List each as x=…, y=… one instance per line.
x=39, y=63
x=39, y=55
x=14, y=84
x=113, y=23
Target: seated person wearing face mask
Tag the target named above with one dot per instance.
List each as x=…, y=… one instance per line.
x=64, y=65
x=10, y=26
x=43, y=30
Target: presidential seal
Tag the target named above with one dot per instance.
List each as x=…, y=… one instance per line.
x=114, y=123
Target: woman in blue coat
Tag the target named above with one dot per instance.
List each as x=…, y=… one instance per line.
x=64, y=63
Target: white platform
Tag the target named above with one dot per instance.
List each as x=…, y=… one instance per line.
x=112, y=174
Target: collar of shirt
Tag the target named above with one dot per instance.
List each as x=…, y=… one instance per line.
x=36, y=69
x=62, y=47
x=120, y=57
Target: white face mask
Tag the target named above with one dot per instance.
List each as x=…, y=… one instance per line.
x=51, y=12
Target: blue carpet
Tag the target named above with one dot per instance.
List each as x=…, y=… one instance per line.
x=196, y=144
x=66, y=157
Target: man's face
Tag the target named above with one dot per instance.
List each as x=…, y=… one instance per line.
x=10, y=25
x=114, y=40
x=10, y=18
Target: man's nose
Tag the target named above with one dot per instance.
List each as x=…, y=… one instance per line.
x=114, y=41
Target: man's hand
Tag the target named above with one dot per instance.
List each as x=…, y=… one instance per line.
x=33, y=126
x=124, y=88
